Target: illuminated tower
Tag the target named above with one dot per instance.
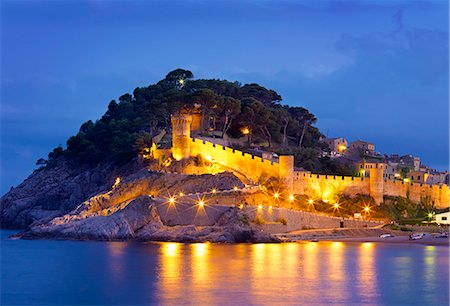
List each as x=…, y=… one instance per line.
x=181, y=136
x=376, y=182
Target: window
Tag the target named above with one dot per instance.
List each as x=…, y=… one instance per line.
x=444, y=218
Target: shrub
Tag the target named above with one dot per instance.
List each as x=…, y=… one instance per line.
x=259, y=220
x=282, y=221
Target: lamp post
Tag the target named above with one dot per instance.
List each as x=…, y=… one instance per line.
x=246, y=131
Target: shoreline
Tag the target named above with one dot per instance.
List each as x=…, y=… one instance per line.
x=320, y=235
x=360, y=235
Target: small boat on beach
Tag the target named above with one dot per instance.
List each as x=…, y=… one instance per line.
x=416, y=236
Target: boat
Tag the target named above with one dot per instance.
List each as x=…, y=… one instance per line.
x=386, y=236
x=416, y=236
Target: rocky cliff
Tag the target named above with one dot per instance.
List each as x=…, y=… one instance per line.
x=55, y=190
x=62, y=202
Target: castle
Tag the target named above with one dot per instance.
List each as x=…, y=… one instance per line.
x=315, y=186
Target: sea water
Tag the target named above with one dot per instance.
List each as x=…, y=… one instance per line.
x=46, y=272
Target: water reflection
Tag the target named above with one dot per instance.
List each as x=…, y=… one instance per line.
x=429, y=265
x=171, y=272
x=336, y=289
x=116, y=250
x=367, y=272
x=200, y=262
x=312, y=273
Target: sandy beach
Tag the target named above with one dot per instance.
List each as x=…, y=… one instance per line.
x=361, y=235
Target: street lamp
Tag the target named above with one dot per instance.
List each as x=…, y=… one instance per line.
x=246, y=131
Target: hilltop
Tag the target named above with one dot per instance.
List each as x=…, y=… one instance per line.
x=227, y=108
x=109, y=147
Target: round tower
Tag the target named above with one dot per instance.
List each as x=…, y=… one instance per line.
x=376, y=182
x=286, y=172
x=181, y=136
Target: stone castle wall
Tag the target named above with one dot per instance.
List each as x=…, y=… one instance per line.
x=316, y=186
x=253, y=167
x=324, y=187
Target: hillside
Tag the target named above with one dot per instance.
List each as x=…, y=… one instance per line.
x=227, y=108
x=109, y=147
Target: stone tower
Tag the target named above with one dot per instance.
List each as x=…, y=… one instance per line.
x=286, y=173
x=181, y=136
x=376, y=182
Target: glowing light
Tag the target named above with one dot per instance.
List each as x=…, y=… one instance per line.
x=201, y=203
x=235, y=188
x=325, y=200
x=116, y=183
x=336, y=205
x=181, y=194
x=241, y=206
x=406, y=180
x=208, y=157
x=367, y=209
x=430, y=215
x=181, y=81
x=397, y=174
x=171, y=249
x=270, y=207
x=291, y=198
x=172, y=200
x=260, y=207
x=342, y=148
x=245, y=130
x=176, y=157
x=310, y=201
x=214, y=190
x=276, y=195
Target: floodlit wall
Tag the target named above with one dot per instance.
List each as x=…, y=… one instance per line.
x=328, y=187
x=415, y=191
x=323, y=187
x=253, y=167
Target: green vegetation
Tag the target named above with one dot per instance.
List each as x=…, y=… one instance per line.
x=259, y=220
x=404, y=211
x=282, y=221
x=129, y=124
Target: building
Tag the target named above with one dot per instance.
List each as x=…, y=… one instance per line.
x=405, y=161
x=390, y=172
x=428, y=177
x=337, y=145
x=365, y=166
x=363, y=146
x=442, y=218
x=418, y=176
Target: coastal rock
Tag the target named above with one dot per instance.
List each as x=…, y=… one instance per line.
x=121, y=225
x=55, y=190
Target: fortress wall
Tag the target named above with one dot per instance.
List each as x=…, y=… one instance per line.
x=297, y=220
x=251, y=166
x=439, y=194
x=327, y=187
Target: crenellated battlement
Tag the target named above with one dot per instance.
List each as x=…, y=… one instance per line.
x=317, y=186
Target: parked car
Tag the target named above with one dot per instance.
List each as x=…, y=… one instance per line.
x=386, y=236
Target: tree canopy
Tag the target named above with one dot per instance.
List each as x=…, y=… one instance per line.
x=129, y=123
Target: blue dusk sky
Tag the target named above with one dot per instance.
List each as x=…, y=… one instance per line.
x=372, y=70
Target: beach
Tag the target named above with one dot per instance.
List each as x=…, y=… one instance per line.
x=361, y=235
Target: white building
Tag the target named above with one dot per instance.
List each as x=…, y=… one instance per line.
x=443, y=218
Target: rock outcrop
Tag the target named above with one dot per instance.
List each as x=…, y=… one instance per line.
x=129, y=211
x=139, y=220
x=57, y=189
